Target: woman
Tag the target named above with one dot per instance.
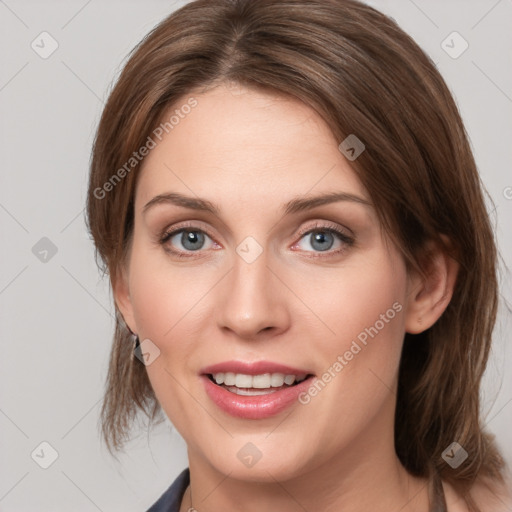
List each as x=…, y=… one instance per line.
x=284, y=197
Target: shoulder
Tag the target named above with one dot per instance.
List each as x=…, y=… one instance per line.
x=488, y=496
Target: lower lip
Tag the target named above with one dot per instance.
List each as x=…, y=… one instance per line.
x=254, y=407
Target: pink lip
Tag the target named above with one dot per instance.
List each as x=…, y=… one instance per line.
x=254, y=407
x=256, y=368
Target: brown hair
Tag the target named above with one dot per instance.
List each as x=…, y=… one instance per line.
x=364, y=76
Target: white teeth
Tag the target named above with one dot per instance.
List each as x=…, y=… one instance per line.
x=289, y=379
x=243, y=381
x=229, y=379
x=277, y=380
x=262, y=381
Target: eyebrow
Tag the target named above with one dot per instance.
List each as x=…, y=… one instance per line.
x=295, y=205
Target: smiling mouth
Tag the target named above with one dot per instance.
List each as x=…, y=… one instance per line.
x=255, y=385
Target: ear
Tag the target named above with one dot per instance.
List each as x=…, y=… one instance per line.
x=121, y=291
x=429, y=294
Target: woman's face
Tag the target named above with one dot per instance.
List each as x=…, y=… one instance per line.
x=263, y=287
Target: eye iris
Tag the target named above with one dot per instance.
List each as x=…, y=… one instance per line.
x=322, y=240
x=192, y=240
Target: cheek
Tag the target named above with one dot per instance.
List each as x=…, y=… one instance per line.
x=166, y=300
x=170, y=307
x=361, y=359
x=359, y=353
x=163, y=294
x=360, y=302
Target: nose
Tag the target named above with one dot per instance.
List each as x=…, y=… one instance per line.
x=253, y=304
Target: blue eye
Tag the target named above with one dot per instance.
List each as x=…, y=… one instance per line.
x=190, y=239
x=187, y=240
x=323, y=239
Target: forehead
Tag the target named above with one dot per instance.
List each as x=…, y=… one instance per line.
x=245, y=144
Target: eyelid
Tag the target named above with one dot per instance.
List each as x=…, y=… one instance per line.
x=194, y=225
x=326, y=225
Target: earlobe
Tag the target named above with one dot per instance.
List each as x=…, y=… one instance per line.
x=123, y=301
x=430, y=293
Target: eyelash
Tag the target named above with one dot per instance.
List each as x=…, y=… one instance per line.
x=347, y=240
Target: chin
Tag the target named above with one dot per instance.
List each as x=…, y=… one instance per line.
x=256, y=459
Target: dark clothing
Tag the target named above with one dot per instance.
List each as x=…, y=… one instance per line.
x=170, y=501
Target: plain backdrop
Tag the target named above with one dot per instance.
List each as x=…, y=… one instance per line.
x=56, y=313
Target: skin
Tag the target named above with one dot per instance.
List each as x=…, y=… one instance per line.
x=250, y=153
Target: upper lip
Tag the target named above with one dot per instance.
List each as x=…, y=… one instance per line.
x=253, y=368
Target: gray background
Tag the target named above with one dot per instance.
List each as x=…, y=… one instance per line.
x=56, y=314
